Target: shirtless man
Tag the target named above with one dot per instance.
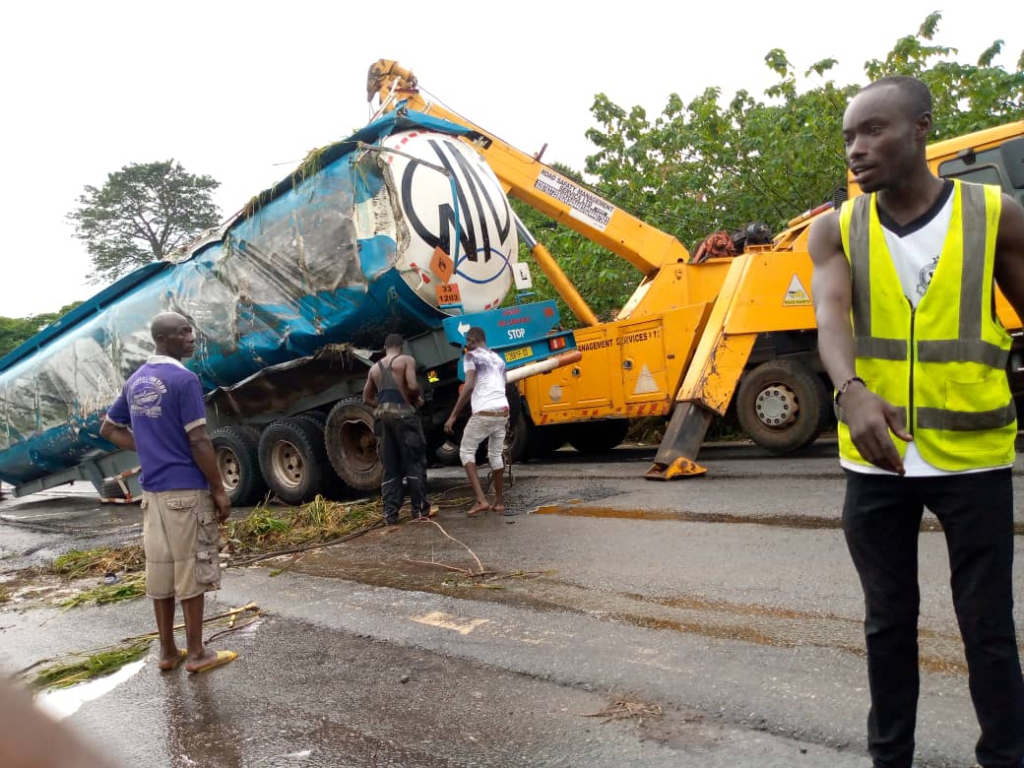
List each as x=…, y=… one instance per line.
x=392, y=391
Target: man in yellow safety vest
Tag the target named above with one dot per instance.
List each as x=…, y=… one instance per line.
x=904, y=281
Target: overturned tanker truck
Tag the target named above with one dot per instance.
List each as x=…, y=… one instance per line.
x=392, y=230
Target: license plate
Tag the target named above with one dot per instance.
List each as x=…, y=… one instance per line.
x=518, y=354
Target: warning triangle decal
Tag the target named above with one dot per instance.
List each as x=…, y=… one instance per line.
x=796, y=294
x=645, y=383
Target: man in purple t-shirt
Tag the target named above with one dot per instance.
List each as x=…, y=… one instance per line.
x=161, y=416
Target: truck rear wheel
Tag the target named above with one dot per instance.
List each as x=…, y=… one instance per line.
x=352, y=445
x=334, y=487
x=317, y=417
x=520, y=430
x=237, y=449
x=293, y=460
x=544, y=441
x=597, y=436
x=782, y=405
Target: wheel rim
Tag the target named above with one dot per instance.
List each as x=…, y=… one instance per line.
x=358, y=444
x=287, y=465
x=229, y=467
x=776, y=406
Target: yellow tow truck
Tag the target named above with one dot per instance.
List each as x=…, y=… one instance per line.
x=694, y=337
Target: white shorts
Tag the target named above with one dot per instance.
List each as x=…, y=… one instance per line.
x=480, y=427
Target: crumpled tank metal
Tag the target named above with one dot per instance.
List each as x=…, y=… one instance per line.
x=371, y=235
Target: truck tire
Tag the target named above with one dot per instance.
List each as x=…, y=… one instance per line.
x=334, y=487
x=544, y=441
x=292, y=460
x=517, y=439
x=238, y=459
x=520, y=432
x=352, y=445
x=317, y=417
x=783, y=405
x=447, y=454
x=590, y=437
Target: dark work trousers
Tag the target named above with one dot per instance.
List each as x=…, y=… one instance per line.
x=403, y=452
x=881, y=519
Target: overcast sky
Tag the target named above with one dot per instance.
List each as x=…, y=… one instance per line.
x=242, y=90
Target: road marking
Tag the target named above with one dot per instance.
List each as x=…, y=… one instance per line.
x=447, y=621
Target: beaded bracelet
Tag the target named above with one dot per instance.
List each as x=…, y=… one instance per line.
x=841, y=390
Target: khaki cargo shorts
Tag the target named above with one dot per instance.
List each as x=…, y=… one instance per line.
x=181, y=537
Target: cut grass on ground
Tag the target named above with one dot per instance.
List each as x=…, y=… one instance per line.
x=128, y=588
x=81, y=668
x=79, y=563
x=269, y=528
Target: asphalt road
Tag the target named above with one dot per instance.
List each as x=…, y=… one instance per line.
x=707, y=622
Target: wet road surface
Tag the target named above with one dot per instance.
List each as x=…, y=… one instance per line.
x=727, y=602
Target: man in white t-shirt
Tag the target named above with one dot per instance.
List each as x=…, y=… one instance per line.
x=485, y=388
x=904, y=295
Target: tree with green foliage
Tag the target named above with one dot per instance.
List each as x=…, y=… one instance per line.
x=15, y=330
x=715, y=164
x=141, y=214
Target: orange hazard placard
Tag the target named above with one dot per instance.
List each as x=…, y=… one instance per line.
x=441, y=265
x=448, y=294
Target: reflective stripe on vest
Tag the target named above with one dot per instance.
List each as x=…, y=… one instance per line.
x=944, y=362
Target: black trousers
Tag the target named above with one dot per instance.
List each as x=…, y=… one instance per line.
x=881, y=519
x=403, y=452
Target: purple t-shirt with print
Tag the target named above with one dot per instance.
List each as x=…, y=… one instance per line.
x=161, y=402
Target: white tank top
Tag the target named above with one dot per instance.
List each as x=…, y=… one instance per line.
x=915, y=250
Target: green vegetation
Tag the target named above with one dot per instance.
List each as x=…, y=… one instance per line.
x=721, y=163
x=142, y=213
x=128, y=588
x=15, y=330
x=310, y=166
x=80, y=668
x=268, y=528
x=79, y=563
x=84, y=563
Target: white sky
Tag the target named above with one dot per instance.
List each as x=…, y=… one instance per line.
x=242, y=90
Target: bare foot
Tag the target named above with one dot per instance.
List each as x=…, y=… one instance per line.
x=209, y=660
x=499, y=506
x=167, y=663
x=478, y=509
